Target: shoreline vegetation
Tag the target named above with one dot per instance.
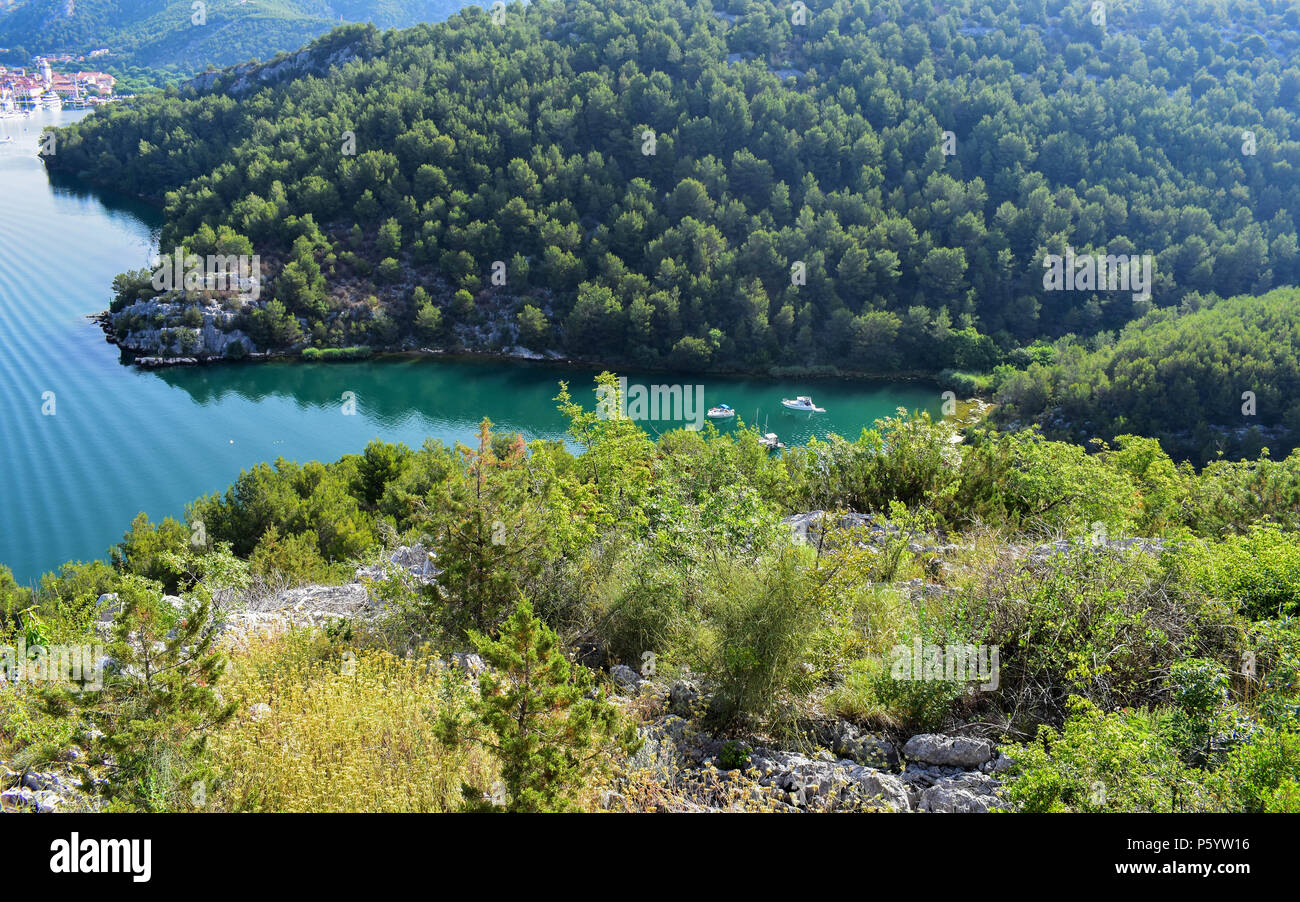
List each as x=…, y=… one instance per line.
x=893, y=623
x=553, y=359
x=944, y=378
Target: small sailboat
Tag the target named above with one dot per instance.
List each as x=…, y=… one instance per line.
x=770, y=442
x=721, y=412
x=802, y=403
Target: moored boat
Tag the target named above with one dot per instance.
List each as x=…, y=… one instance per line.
x=802, y=403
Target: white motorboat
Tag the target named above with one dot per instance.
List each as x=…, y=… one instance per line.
x=802, y=403
x=721, y=412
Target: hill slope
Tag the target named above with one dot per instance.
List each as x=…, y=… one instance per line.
x=162, y=33
x=665, y=184
x=1222, y=378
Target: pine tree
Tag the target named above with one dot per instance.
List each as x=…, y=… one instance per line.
x=493, y=535
x=549, y=730
x=150, y=721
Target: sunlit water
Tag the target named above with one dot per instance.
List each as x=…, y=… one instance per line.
x=123, y=440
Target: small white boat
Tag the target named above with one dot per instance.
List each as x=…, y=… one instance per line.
x=721, y=412
x=802, y=403
x=770, y=442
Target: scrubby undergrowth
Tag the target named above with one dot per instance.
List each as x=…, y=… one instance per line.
x=1138, y=617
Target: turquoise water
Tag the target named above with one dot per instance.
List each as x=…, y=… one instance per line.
x=123, y=440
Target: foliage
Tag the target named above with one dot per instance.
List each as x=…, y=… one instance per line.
x=320, y=354
x=1207, y=379
x=1259, y=570
x=763, y=622
x=546, y=727
x=1180, y=650
x=1104, y=762
x=149, y=724
x=321, y=728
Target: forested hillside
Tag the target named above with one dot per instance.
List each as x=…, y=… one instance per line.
x=164, y=34
x=1207, y=379
x=649, y=175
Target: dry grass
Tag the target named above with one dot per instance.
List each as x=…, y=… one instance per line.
x=321, y=732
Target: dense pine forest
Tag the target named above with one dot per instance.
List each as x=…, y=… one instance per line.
x=1209, y=379
x=671, y=184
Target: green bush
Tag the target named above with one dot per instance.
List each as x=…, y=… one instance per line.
x=763, y=621
x=872, y=695
x=1263, y=773
x=1103, y=762
x=358, y=352
x=545, y=723
x=734, y=755
x=1259, y=570
x=150, y=722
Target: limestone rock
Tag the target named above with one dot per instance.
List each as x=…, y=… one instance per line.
x=624, y=677
x=948, y=751
x=683, y=697
x=107, y=606
x=969, y=792
x=469, y=662
x=847, y=741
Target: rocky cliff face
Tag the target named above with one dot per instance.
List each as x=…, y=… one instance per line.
x=242, y=80
x=159, y=328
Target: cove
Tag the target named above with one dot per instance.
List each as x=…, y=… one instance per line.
x=123, y=440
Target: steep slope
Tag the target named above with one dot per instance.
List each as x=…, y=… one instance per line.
x=163, y=33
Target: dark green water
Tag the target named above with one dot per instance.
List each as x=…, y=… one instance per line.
x=122, y=440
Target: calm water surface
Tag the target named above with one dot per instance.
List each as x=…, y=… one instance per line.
x=123, y=440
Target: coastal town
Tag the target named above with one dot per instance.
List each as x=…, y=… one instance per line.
x=27, y=90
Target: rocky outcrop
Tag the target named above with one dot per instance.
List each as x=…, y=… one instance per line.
x=1040, y=554
x=828, y=784
x=625, y=678
x=155, y=329
x=962, y=793
x=684, y=699
x=817, y=527
x=948, y=751
x=415, y=560
x=873, y=750
x=312, y=606
x=238, y=81
x=307, y=606
x=939, y=774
